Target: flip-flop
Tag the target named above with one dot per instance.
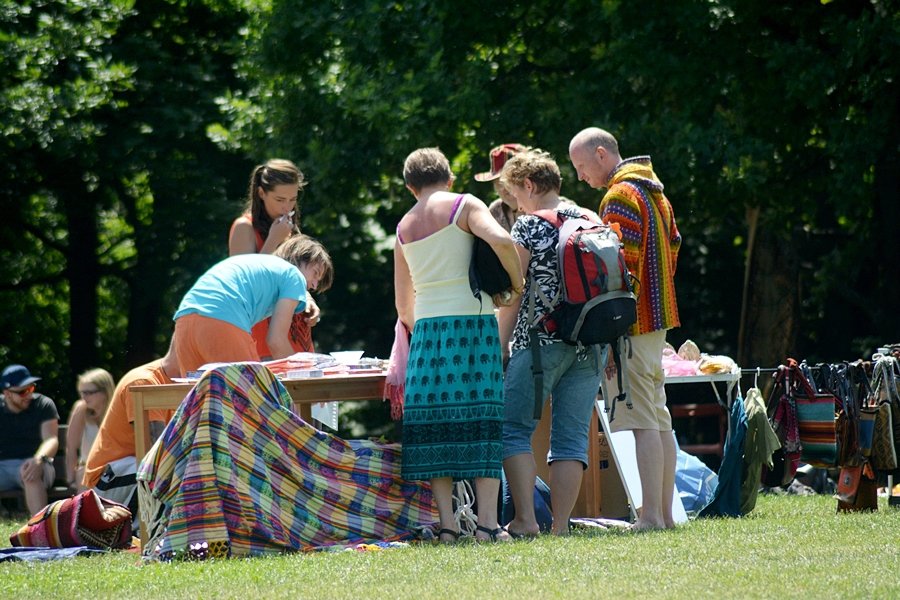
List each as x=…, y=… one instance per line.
x=519, y=536
x=450, y=532
x=493, y=533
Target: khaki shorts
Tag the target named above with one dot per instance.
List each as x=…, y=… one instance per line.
x=645, y=387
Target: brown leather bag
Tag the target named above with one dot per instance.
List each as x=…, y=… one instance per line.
x=857, y=489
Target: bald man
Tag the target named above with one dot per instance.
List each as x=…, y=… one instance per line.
x=635, y=200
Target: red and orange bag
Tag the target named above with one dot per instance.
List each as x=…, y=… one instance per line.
x=85, y=519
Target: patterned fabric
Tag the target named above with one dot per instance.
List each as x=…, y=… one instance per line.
x=85, y=519
x=453, y=405
x=540, y=238
x=236, y=473
x=636, y=201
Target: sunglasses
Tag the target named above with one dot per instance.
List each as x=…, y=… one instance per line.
x=89, y=392
x=23, y=391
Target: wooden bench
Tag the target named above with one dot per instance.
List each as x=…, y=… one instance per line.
x=60, y=488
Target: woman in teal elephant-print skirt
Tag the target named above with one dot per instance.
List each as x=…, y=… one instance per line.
x=453, y=402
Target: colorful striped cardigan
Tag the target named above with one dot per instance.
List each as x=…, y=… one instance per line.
x=635, y=200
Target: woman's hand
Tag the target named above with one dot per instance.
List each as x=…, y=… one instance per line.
x=281, y=229
x=508, y=297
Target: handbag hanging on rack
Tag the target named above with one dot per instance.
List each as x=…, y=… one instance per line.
x=884, y=401
x=783, y=417
x=816, y=417
x=857, y=489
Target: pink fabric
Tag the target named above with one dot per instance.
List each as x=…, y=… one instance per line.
x=395, y=378
x=675, y=366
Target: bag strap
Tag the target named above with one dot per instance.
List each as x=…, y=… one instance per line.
x=537, y=368
x=860, y=386
x=776, y=392
x=620, y=348
x=798, y=379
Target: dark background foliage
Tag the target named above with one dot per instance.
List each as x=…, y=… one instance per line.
x=130, y=129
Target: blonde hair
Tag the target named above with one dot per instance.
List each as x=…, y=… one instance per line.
x=103, y=380
x=300, y=249
x=536, y=165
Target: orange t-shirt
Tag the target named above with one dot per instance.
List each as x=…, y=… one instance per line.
x=115, y=439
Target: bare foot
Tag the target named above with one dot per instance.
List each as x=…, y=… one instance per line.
x=520, y=530
x=641, y=525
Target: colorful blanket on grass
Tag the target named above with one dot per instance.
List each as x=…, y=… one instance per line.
x=236, y=473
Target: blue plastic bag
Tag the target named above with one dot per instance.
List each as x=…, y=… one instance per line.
x=696, y=483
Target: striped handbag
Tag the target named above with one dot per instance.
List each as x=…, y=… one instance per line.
x=816, y=419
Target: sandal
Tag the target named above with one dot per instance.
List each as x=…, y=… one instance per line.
x=450, y=532
x=519, y=536
x=492, y=533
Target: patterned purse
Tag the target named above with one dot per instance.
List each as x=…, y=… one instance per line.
x=816, y=419
x=884, y=455
x=783, y=417
x=884, y=401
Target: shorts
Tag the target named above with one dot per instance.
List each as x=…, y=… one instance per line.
x=199, y=340
x=646, y=387
x=572, y=381
x=11, y=479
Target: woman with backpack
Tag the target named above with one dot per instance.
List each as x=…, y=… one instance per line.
x=569, y=374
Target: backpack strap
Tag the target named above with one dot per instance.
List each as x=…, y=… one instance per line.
x=621, y=351
x=537, y=368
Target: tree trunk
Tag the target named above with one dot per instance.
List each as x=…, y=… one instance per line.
x=83, y=273
x=771, y=302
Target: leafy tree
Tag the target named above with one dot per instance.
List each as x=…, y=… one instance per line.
x=735, y=100
x=58, y=80
x=113, y=183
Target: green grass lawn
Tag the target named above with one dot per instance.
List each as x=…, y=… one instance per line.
x=790, y=546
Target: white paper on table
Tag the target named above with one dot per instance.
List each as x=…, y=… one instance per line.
x=621, y=443
x=326, y=413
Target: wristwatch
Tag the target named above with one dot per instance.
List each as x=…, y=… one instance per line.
x=46, y=460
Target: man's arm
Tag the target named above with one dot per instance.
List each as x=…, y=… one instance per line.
x=33, y=470
x=50, y=444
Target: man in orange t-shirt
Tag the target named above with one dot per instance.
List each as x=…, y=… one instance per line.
x=111, y=465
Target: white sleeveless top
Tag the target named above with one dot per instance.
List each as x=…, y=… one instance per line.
x=439, y=265
x=87, y=440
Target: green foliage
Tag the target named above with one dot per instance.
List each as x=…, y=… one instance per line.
x=129, y=129
x=105, y=108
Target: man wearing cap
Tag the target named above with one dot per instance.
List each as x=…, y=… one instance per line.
x=505, y=208
x=29, y=424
